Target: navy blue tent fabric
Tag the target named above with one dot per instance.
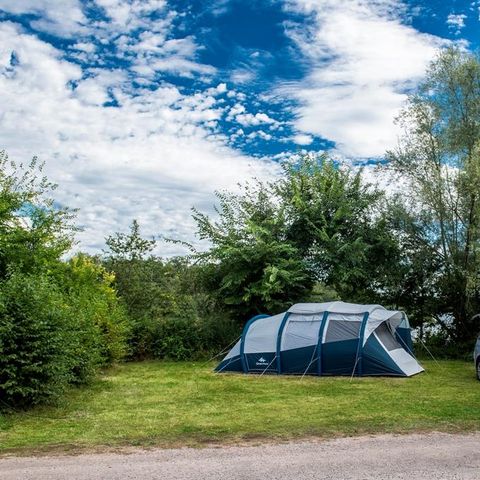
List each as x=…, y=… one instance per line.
x=325, y=339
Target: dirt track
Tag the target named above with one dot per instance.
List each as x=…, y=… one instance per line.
x=386, y=457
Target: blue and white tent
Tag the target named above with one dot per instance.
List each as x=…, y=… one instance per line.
x=334, y=338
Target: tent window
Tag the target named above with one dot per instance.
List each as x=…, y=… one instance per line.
x=298, y=334
x=340, y=330
x=386, y=337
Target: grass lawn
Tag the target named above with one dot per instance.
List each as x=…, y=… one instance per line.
x=171, y=404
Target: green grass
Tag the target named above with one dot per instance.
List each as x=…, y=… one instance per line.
x=171, y=404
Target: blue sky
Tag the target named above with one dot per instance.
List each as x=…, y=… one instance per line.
x=142, y=109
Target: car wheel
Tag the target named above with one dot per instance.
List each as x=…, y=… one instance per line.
x=478, y=369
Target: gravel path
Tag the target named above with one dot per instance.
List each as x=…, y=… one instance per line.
x=385, y=457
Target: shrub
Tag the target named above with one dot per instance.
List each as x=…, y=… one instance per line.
x=94, y=302
x=36, y=351
x=57, y=330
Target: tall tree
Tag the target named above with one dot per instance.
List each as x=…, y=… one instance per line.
x=34, y=231
x=337, y=222
x=438, y=157
x=317, y=223
x=254, y=267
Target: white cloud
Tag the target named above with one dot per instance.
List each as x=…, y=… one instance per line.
x=259, y=134
x=151, y=158
x=130, y=14
x=250, y=120
x=221, y=88
x=302, y=139
x=65, y=18
x=363, y=59
x=456, y=22
x=240, y=76
x=84, y=47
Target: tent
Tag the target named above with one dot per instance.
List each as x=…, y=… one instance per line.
x=334, y=338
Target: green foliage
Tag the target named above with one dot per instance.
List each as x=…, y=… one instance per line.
x=33, y=232
x=253, y=266
x=94, y=304
x=171, y=312
x=337, y=221
x=36, y=360
x=57, y=330
x=59, y=321
x=129, y=246
x=318, y=224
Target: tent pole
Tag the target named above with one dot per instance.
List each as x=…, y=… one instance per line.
x=319, y=342
x=360, y=344
x=279, y=342
x=242, y=340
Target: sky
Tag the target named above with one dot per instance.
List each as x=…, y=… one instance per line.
x=143, y=108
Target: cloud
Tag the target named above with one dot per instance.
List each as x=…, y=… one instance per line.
x=152, y=156
x=362, y=61
x=302, y=139
x=456, y=22
x=66, y=18
x=250, y=120
x=135, y=123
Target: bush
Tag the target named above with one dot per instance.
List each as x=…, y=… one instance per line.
x=36, y=352
x=94, y=302
x=52, y=336
x=172, y=312
x=182, y=338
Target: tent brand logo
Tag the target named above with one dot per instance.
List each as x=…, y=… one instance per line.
x=261, y=361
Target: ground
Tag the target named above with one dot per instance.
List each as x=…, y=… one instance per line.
x=407, y=457
x=166, y=404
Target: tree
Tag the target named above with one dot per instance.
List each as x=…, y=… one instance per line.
x=318, y=222
x=438, y=157
x=337, y=221
x=173, y=314
x=129, y=246
x=59, y=320
x=34, y=231
x=254, y=266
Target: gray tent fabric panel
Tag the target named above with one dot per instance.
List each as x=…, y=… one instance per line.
x=406, y=362
x=260, y=344
x=333, y=307
x=377, y=317
x=300, y=331
x=386, y=338
x=341, y=330
x=376, y=361
x=261, y=336
x=235, y=351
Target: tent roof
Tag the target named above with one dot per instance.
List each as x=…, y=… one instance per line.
x=333, y=307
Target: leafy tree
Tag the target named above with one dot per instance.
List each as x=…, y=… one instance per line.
x=34, y=231
x=59, y=321
x=337, y=222
x=255, y=267
x=318, y=223
x=131, y=246
x=438, y=157
x=172, y=313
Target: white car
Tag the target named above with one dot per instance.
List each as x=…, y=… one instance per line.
x=476, y=357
